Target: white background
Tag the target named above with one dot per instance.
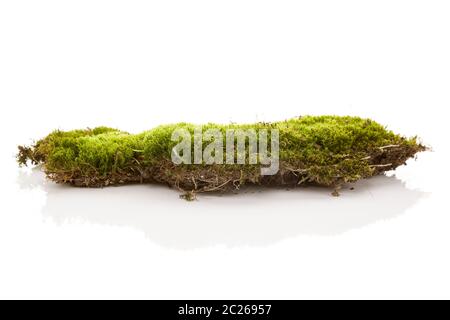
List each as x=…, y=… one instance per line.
x=137, y=64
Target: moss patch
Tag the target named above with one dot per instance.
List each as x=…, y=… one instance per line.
x=321, y=150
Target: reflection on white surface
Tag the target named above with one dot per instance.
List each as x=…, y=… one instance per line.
x=252, y=217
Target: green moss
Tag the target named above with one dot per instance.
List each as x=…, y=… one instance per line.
x=326, y=150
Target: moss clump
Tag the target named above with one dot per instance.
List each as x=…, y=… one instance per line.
x=321, y=150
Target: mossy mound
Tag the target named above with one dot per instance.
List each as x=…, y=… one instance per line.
x=320, y=150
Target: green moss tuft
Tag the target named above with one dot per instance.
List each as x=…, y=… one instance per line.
x=324, y=150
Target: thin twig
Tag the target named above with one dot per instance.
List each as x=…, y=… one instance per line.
x=389, y=146
x=380, y=165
